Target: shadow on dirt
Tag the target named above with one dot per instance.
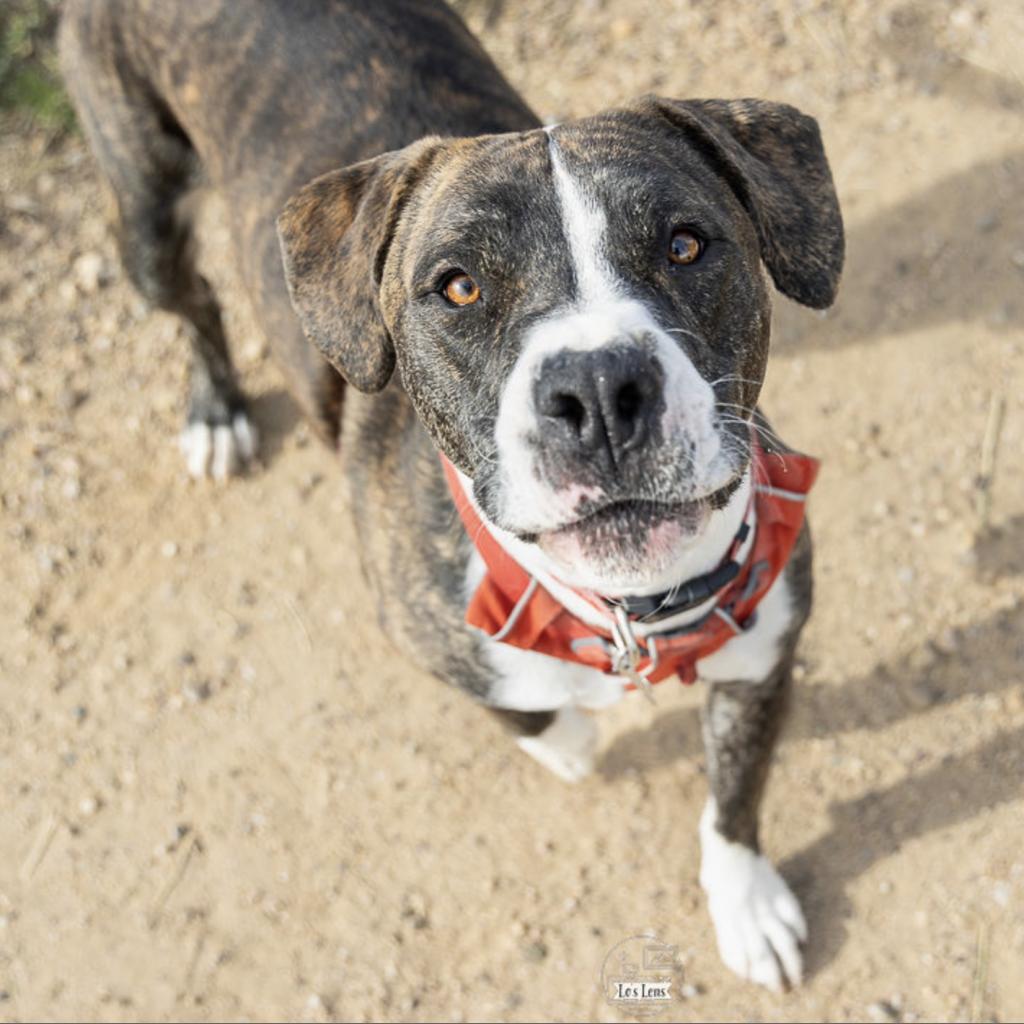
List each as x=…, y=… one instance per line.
x=986, y=658
x=999, y=552
x=958, y=789
x=276, y=415
x=950, y=254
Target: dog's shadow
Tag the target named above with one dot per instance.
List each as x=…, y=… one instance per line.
x=999, y=551
x=962, y=786
x=947, y=254
x=276, y=417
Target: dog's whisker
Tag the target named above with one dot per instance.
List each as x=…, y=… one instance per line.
x=764, y=433
x=730, y=377
x=763, y=429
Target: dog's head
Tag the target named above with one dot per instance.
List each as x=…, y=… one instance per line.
x=579, y=315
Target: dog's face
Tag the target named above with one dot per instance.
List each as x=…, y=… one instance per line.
x=579, y=315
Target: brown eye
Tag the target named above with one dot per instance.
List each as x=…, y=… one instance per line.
x=461, y=290
x=685, y=247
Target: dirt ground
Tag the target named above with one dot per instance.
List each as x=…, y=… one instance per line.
x=224, y=797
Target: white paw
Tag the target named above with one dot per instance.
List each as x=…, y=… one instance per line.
x=218, y=452
x=566, y=747
x=757, y=919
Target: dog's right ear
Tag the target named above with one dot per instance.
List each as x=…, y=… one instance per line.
x=335, y=234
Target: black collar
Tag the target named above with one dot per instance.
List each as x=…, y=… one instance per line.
x=681, y=598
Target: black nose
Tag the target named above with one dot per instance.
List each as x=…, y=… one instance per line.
x=603, y=402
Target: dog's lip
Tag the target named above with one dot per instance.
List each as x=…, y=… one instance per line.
x=654, y=511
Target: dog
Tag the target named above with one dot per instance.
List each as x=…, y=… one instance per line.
x=539, y=349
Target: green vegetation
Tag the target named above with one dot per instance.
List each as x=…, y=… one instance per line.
x=31, y=91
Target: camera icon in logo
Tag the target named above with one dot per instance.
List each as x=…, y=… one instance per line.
x=642, y=976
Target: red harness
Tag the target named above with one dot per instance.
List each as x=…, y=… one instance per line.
x=510, y=605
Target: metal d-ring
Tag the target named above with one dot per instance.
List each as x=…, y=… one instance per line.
x=627, y=654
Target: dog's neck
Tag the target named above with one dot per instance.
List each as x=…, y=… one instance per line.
x=706, y=553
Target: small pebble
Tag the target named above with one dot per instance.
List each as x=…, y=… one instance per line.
x=621, y=29
x=535, y=952
x=883, y=1011
x=168, y=549
x=987, y=222
x=198, y=692
x=23, y=204
x=924, y=694
x=1001, y=893
x=962, y=17
x=89, y=272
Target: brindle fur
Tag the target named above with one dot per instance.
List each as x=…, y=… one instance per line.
x=255, y=98
x=741, y=722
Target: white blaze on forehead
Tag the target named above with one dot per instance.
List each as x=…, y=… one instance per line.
x=584, y=224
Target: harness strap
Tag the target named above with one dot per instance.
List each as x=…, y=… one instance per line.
x=514, y=607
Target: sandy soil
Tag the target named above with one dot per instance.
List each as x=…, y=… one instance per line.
x=224, y=797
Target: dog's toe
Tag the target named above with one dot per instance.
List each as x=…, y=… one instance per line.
x=758, y=921
x=219, y=450
x=566, y=747
x=759, y=926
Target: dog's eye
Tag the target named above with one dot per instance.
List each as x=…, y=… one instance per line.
x=461, y=290
x=685, y=247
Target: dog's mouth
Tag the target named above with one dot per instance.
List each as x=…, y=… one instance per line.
x=640, y=513
x=634, y=516
x=634, y=530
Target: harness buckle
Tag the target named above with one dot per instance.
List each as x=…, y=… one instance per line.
x=627, y=654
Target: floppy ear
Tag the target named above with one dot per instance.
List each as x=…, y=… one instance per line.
x=773, y=159
x=335, y=234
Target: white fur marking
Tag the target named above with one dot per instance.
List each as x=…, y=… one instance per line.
x=218, y=452
x=566, y=747
x=225, y=458
x=245, y=437
x=196, y=443
x=757, y=919
x=529, y=681
x=752, y=655
x=584, y=224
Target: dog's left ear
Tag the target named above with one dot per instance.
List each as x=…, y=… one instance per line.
x=335, y=234
x=772, y=156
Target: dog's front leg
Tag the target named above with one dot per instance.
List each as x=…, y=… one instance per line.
x=757, y=919
x=563, y=741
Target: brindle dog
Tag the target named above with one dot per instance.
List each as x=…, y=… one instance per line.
x=577, y=317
